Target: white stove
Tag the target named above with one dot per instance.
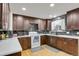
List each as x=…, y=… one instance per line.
x=35, y=39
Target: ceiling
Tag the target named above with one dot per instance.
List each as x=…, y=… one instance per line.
x=42, y=10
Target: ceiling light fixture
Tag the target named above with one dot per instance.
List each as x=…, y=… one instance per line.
x=51, y=5
x=23, y=9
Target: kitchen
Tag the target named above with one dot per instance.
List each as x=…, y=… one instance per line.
x=25, y=29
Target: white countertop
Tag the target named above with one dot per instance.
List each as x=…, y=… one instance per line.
x=23, y=36
x=9, y=46
x=65, y=36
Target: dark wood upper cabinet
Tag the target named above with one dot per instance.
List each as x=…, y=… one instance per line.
x=20, y=23
x=42, y=24
x=26, y=24
x=49, y=24
x=73, y=19
x=14, y=22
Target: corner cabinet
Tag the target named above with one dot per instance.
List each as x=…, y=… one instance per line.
x=73, y=19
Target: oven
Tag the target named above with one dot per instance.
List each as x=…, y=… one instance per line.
x=35, y=39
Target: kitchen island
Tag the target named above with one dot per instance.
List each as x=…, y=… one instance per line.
x=10, y=46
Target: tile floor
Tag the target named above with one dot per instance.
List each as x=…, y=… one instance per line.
x=44, y=51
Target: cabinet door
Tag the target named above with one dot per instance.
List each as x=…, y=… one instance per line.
x=20, y=23
x=25, y=42
x=76, y=19
x=54, y=41
x=71, y=46
x=49, y=25
x=60, y=42
x=43, y=40
x=26, y=24
x=73, y=19
x=28, y=42
x=14, y=23
x=48, y=42
x=69, y=21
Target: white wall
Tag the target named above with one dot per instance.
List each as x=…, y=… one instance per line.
x=58, y=22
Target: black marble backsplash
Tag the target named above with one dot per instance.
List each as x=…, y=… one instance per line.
x=20, y=33
x=69, y=33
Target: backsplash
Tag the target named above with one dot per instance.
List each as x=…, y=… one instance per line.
x=20, y=33
x=68, y=33
x=6, y=34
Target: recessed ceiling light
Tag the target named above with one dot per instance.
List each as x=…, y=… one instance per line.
x=23, y=9
x=51, y=5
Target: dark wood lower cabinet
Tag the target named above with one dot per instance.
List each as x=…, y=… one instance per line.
x=43, y=39
x=60, y=42
x=48, y=40
x=71, y=46
x=68, y=45
x=25, y=42
x=53, y=41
